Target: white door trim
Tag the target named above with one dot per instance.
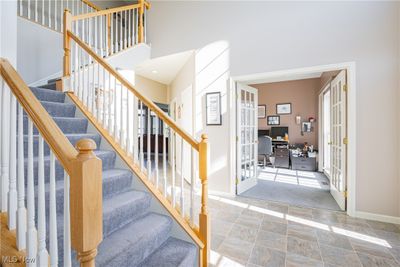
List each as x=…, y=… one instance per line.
x=351, y=115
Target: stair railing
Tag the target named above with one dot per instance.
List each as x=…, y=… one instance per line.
x=49, y=13
x=112, y=30
x=28, y=134
x=164, y=156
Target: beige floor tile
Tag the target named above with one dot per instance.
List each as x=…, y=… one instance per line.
x=225, y=216
x=339, y=256
x=366, y=247
x=389, y=227
x=249, y=221
x=216, y=240
x=390, y=237
x=282, y=208
x=368, y=260
x=294, y=260
x=271, y=240
x=248, y=234
x=332, y=239
x=301, y=231
x=303, y=247
x=264, y=256
x=275, y=227
x=235, y=248
x=395, y=251
x=221, y=227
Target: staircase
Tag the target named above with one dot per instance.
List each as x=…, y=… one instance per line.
x=132, y=235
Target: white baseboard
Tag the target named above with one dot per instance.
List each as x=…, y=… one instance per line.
x=220, y=194
x=44, y=80
x=377, y=217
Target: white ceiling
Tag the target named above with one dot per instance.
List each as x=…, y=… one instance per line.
x=163, y=69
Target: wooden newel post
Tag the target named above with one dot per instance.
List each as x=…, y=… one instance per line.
x=86, y=203
x=67, y=42
x=204, y=220
x=140, y=22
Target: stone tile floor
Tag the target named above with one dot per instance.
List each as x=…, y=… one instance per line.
x=254, y=233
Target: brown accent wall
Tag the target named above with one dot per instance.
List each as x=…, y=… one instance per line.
x=303, y=95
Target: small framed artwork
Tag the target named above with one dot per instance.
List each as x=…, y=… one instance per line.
x=285, y=108
x=273, y=120
x=262, y=111
x=213, y=109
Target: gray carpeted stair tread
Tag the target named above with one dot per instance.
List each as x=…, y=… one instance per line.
x=67, y=125
x=173, y=253
x=48, y=95
x=50, y=86
x=134, y=242
x=56, y=109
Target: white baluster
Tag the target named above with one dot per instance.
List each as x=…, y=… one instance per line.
x=145, y=25
x=149, y=143
x=128, y=132
x=101, y=38
x=21, y=213
x=135, y=125
x=121, y=121
x=182, y=202
x=43, y=255
x=110, y=100
x=67, y=223
x=165, y=159
x=29, y=9
x=173, y=166
x=36, y=10
x=20, y=8
x=43, y=20
x=125, y=31
x=5, y=141
x=112, y=33
x=96, y=95
x=156, y=121
x=120, y=32
x=53, y=213
x=129, y=28
x=12, y=192
x=31, y=232
x=136, y=25
x=192, y=184
x=141, y=136
x=49, y=14
x=104, y=118
x=115, y=109
x=56, y=15
x=96, y=44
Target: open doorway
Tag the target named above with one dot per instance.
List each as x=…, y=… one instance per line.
x=301, y=139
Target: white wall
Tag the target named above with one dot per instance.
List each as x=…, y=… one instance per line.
x=270, y=36
x=40, y=52
x=8, y=31
x=155, y=91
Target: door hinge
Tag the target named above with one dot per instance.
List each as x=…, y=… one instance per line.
x=237, y=138
x=345, y=87
x=237, y=181
x=345, y=194
x=346, y=141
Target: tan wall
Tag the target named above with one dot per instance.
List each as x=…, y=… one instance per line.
x=302, y=94
x=156, y=91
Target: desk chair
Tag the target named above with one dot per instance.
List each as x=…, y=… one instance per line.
x=265, y=148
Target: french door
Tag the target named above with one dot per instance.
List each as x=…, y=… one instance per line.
x=246, y=132
x=338, y=132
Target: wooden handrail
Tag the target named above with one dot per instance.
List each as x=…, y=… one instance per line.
x=54, y=137
x=104, y=12
x=150, y=104
x=92, y=5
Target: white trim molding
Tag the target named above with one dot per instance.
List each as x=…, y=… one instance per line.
x=377, y=217
x=46, y=79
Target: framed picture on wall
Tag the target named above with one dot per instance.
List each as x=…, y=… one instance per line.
x=284, y=108
x=213, y=109
x=273, y=120
x=262, y=111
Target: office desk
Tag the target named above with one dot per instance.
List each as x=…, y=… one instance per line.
x=281, y=152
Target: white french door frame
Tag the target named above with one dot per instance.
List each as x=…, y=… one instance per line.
x=350, y=67
x=321, y=137
x=248, y=142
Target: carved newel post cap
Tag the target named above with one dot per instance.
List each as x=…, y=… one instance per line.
x=204, y=137
x=85, y=146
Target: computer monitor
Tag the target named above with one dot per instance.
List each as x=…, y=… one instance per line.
x=263, y=132
x=279, y=131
